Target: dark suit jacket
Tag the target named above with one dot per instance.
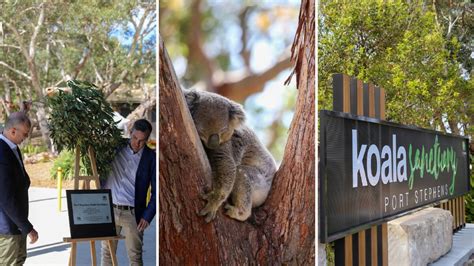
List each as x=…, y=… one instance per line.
x=146, y=176
x=14, y=184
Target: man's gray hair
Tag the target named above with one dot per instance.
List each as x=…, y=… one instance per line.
x=16, y=119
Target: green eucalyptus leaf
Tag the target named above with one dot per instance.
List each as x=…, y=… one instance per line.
x=84, y=118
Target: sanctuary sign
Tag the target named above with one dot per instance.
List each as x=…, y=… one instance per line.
x=372, y=171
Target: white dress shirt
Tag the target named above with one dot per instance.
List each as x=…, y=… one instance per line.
x=121, y=179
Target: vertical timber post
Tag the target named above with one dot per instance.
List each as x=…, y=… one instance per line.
x=370, y=246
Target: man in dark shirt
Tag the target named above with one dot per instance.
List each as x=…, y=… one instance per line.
x=14, y=184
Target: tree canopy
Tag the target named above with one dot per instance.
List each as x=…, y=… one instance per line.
x=419, y=51
x=44, y=43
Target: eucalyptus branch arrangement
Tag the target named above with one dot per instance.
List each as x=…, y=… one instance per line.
x=81, y=117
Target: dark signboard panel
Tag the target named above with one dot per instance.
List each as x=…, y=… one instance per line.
x=90, y=213
x=372, y=171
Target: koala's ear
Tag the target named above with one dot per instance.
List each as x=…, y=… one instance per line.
x=192, y=99
x=236, y=114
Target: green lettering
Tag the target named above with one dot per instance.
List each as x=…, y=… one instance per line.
x=433, y=161
x=412, y=170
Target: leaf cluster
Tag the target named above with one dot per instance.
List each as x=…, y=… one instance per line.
x=401, y=47
x=83, y=119
x=469, y=199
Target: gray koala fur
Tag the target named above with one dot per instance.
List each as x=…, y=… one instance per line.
x=242, y=168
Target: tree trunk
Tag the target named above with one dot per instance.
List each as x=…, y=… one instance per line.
x=43, y=124
x=143, y=108
x=279, y=232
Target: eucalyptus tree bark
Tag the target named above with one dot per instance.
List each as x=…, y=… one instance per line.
x=29, y=53
x=279, y=232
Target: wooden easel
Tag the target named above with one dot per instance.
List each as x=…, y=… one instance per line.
x=86, y=180
x=73, y=241
x=86, y=184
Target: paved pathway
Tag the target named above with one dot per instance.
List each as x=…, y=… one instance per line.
x=53, y=225
x=463, y=248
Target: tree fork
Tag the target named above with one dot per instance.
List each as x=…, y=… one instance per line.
x=282, y=230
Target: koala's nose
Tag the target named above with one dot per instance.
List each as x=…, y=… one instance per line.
x=213, y=141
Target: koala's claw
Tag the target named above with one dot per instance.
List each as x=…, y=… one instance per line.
x=209, y=214
x=209, y=211
x=205, y=196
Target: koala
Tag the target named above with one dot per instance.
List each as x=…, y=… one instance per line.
x=242, y=168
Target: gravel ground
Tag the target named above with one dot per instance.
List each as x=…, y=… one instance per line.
x=40, y=176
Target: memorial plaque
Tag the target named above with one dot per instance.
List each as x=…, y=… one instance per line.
x=90, y=213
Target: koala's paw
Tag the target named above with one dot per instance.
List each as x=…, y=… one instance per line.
x=206, y=196
x=212, y=205
x=237, y=213
x=209, y=212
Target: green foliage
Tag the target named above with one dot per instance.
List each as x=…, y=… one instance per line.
x=470, y=197
x=399, y=46
x=31, y=149
x=65, y=160
x=83, y=118
x=330, y=257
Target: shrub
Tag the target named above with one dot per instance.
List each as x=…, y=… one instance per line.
x=470, y=196
x=65, y=160
x=31, y=149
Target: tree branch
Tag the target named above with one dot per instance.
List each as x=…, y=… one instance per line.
x=38, y=26
x=97, y=74
x=21, y=73
x=138, y=31
x=48, y=52
x=144, y=107
x=245, y=53
x=109, y=89
x=196, y=52
x=20, y=42
x=82, y=62
x=239, y=87
x=151, y=25
x=10, y=46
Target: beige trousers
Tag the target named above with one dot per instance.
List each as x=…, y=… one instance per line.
x=126, y=225
x=12, y=249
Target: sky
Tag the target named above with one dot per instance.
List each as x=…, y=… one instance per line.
x=125, y=35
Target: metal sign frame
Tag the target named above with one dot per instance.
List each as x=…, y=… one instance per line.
x=328, y=237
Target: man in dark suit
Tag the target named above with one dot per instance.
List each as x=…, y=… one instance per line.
x=133, y=172
x=14, y=184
